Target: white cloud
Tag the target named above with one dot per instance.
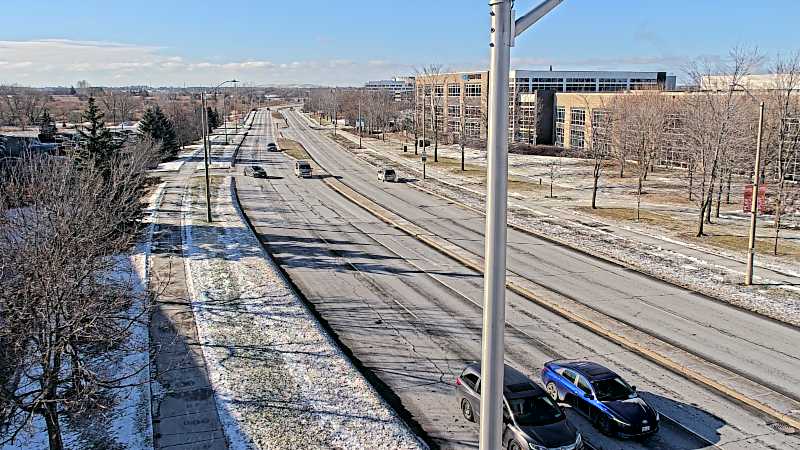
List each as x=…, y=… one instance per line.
x=49, y=62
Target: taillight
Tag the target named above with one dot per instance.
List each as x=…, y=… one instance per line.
x=458, y=381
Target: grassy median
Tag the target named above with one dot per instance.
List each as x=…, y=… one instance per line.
x=293, y=149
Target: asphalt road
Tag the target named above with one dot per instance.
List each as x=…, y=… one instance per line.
x=411, y=317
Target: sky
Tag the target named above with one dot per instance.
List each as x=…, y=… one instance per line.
x=328, y=42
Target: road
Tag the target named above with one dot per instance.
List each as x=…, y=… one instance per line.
x=411, y=317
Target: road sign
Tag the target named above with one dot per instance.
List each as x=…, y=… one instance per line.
x=424, y=156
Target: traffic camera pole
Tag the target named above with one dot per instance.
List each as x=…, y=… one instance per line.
x=503, y=31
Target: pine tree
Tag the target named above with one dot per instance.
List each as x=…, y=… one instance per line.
x=159, y=128
x=97, y=144
x=47, y=127
x=213, y=119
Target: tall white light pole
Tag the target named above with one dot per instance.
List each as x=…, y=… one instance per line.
x=503, y=31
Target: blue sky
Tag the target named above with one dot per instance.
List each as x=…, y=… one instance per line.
x=174, y=42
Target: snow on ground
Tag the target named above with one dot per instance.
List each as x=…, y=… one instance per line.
x=778, y=302
x=128, y=424
x=279, y=379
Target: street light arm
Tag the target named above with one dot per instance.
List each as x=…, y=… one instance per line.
x=533, y=16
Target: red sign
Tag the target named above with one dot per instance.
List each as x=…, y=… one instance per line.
x=747, y=198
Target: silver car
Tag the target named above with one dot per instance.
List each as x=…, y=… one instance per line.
x=532, y=419
x=387, y=174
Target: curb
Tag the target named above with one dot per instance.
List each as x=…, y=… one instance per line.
x=469, y=260
x=413, y=428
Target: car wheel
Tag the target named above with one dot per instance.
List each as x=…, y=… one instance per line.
x=514, y=446
x=604, y=424
x=553, y=391
x=466, y=410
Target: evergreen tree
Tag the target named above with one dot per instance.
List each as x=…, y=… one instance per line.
x=97, y=144
x=47, y=127
x=159, y=128
x=213, y=119
x=72, y=91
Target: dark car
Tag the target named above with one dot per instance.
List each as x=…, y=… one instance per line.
x=532, y=419
x=601, y=395
x=271, y=147
x=255, y=172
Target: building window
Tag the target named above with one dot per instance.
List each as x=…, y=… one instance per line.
x=454, y=90
x=472, y=90
x=560, y=114
x=576, y=138
x=472, y=129
x=559, y=135
x=472, y=112
x=577, y=117
x=581, y=85
x=454, y=111
x=438, y=90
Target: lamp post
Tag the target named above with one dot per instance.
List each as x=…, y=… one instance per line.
x=751, y=245
x=503, y=31
x=207, y=147
x=334, y=111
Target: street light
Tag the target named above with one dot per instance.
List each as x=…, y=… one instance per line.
x=207, y=147
x=751, y=246
x=503, y=31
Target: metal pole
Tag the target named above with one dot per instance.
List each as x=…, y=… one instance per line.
x=334, y=111
x=236, y=97
x=751, y=248
x=206, y=154
x=360, y=128
x=491, y=426
x=225, y=119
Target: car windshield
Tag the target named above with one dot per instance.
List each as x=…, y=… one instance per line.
x=533, y=411
x=305, y=166
x=612, y=389
x=389, y=173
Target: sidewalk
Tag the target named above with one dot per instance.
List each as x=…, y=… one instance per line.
x=184, y=412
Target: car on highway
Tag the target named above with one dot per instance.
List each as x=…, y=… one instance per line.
x=255, y=172
x=532, y=419
x=601, y=395
x=387, y=174
x=302, y=169
x=271, y=147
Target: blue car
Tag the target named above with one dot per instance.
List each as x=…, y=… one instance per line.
x=602, y=396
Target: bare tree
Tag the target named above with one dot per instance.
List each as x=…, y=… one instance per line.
x=24, y=106
x=432, y=75
x=66, y=308
x=598, y=147
x=783, y=130
x=717, y=121
x=640, y=121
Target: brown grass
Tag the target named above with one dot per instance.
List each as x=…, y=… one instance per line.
x=343, y=141
x=293, y=149
x=277, y=115
x=723, y=237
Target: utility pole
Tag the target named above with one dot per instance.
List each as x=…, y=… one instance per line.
x=360, y=126
x=503, y=31
x=423, y=118
x=206, y=156
x=751, y=248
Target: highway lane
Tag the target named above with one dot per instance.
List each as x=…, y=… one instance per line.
x=759, y=348
x=411, y=316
